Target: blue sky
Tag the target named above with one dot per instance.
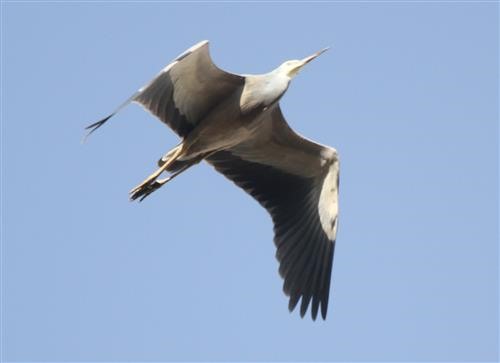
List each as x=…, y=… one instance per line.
x=408, y=95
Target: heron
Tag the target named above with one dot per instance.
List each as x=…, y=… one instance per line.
x=234, y=122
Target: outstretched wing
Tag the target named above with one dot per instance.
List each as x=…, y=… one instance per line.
x=184, y=91
x=296, y=180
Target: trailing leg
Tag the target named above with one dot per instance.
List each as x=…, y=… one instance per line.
x=147, y=184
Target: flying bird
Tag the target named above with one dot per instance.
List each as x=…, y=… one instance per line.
x=234, y=122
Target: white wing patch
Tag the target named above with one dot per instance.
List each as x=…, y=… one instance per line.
x=328, y=206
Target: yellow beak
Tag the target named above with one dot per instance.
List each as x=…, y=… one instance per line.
x=313, y=56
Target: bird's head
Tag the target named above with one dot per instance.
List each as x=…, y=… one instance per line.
x=292, y=67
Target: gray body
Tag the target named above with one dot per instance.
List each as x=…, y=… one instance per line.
x=239, y=117
x=234, y=122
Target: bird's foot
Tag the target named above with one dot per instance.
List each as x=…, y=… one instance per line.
x=151, y=184
x=149, y=180
x=144, y=189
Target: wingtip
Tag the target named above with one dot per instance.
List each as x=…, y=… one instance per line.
x=95, y=126
x=314, y=308
x=304, y=305
x=292, y=303
x=324, y=310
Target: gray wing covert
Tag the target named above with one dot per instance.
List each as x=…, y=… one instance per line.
x=187, y=89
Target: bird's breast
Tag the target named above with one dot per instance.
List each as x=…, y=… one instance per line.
x=260, y=92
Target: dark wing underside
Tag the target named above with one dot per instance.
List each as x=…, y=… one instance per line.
x=304, y=249
x=184, y=91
